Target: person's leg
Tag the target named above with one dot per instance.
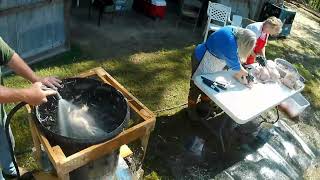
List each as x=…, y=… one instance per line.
x=194, y=92
x=5, y=157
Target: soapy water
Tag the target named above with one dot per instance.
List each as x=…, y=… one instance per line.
x=75, y=121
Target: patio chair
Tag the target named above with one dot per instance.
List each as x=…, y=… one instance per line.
x=100, y=5
x=236, y=21
x=190, y=9
x=218, y=16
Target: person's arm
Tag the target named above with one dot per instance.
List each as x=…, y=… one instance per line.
x=33, y=95
x=263, y=51
x=233, y=62
x=241, y=73
x=22, y=69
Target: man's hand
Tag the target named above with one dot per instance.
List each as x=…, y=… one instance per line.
x=22, y=69
x=50, y=82
x=35, y=95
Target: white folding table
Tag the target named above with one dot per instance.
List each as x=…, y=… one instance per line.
x=241, y=103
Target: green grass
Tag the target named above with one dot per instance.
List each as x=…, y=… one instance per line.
x=152, y=176
x=306, y=58
x=159, y=80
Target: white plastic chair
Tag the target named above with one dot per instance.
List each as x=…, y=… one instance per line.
x=236, y=21
x=218, y=13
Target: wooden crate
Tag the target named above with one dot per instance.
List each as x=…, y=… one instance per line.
x=141, y=131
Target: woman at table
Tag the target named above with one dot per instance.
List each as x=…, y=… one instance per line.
x=225, y=48
x=272, y=26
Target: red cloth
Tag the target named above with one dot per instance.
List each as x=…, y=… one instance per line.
x=260, y=44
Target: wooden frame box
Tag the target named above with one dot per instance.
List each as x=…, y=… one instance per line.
x=139, y=131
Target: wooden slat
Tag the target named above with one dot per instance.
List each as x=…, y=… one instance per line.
x=87, y=74
x=106, y=77
x=48, y=148
x=64, y=176
x=44, y=176
x=59, y=153
x=35, y=139
x=64, y=164
x=97, y=151
x=144, y=143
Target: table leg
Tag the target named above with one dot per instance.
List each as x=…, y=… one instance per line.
x=221, y=128
x=214, y=131
x=64, y=176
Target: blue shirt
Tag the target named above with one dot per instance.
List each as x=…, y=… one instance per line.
x=223, y=45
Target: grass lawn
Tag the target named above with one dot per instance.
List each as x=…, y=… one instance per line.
x=305, y=56
x=159, y=79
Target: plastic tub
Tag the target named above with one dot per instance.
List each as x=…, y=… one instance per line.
x=295, y=105
x=284, y=67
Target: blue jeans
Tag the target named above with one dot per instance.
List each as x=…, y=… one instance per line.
x=5, y=157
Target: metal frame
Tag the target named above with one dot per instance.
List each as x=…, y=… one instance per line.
x=222, y=126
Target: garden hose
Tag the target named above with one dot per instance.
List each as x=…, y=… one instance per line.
x=7, y=131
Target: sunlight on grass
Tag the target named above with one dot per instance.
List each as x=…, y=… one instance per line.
x=306, y=59
x=27, y=161
x=159, y=80
x=152, y=176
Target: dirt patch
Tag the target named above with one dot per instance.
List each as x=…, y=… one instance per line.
x=130, y=33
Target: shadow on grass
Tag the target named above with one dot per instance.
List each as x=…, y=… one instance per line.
x=158, y=79
x=170, y=158
x=131, y=33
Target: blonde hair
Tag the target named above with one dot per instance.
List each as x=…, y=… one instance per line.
x=275, y=23
x=246, y=41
